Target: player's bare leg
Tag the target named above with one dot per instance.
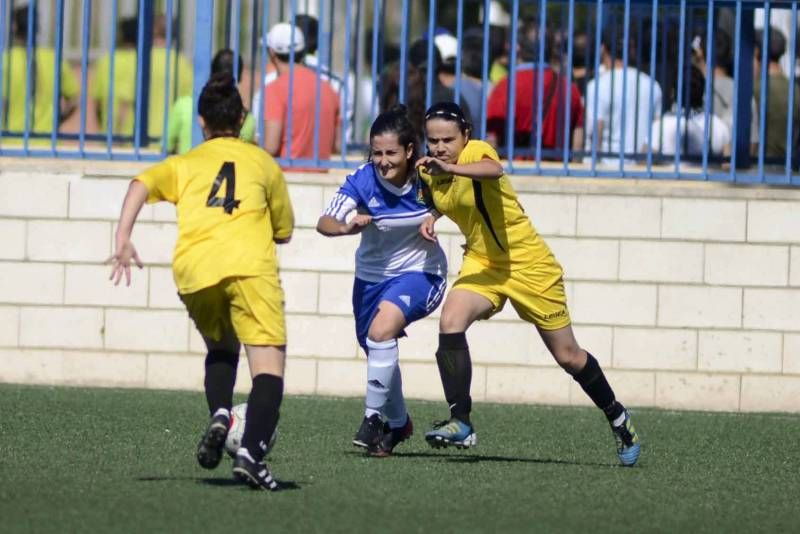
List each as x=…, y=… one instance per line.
x=461, y=309
x=267, y=364
x=586, y=371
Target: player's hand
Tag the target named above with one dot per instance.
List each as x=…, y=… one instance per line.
x=121, y=261
x=357, y=224
x=434, y=166
x=427, y=228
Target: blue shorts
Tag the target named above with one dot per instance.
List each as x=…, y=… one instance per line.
x=416, y=294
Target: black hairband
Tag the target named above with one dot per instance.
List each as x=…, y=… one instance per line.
x=439, y=112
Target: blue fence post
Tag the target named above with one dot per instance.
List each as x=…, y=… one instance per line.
x=745, y=89
x=203, y=28
x=143, y=49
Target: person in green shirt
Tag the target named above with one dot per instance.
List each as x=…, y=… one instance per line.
x=124, y=105
x=179, y=130
x=42, y=91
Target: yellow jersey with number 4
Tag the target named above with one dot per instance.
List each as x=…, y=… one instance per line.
x=232, y=202
x=498, y=233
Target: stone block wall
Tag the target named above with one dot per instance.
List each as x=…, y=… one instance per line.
x=687, y=293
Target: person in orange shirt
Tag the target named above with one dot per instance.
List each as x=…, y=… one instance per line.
x=290, y=130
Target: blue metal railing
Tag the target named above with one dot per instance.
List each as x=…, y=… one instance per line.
x=633, y=66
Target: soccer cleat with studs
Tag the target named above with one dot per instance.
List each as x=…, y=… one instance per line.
x=254, y=474
x=209, y=450
x=391, y=438
x=371, y=432
x=452, y=432
x=628, y=444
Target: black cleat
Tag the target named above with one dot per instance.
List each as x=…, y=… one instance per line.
x=371, y=432
x=209, y=450
x=391, y=438
x=254, y=474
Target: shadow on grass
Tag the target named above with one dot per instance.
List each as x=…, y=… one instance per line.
x=470, y=458
x=285, y=485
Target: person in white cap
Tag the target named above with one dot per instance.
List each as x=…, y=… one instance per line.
x=470, y=85
x=298, y=113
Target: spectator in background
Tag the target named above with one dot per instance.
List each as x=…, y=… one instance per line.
x=386, y=53
x=777, y=93
x=42, y=90
x=612, y=98
x=582, y=61
x=499, y=21
x=526, y=101
x=722, y=84
x=418, y=57
x=123, y=108
x=470, y=87
x=414, y=96
x=310, y=27
x=181, y=116
x=691, y=123
x=282, y=39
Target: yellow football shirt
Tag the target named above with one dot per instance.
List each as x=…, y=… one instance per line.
x=232, y=201
x=125, y=88
x=498, y=232
x=15, y=68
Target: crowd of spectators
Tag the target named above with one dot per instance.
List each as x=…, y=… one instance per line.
x=559, y=106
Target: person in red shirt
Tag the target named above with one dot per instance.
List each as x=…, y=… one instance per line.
x=281, y=40
x=554, y=102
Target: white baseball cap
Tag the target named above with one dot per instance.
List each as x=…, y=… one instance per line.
x=498, y=16
x=279, y=39
x=447, y=45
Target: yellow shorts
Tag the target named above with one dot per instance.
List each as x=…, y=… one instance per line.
x=536, y=292
x=252, y=306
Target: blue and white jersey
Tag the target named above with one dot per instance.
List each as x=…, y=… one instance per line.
x=392, y=244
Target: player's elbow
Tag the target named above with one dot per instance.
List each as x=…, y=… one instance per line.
x=282, y=240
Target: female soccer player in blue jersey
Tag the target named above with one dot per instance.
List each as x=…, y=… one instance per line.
x=232, y=206
x=400, y=276
x=504, y=259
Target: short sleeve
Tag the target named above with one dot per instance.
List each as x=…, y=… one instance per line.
x=161, y=181
x=344, y=201
x=280, y=205
x=476, y=151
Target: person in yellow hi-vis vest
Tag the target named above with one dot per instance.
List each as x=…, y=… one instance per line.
x=42, y=86
x=123, y=110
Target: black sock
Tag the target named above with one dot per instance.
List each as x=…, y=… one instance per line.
x=455, y=368
x=594, y=383
x=263, y=407
x=220, y=379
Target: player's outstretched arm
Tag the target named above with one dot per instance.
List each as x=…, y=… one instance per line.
x=124, y=251
x=485, y=169
x=331, y=227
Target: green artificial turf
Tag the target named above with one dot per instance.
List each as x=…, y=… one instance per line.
x=104, y=460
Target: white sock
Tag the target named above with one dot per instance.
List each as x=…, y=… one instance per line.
x=222, y=411
x=395, y=409
x=381, y=365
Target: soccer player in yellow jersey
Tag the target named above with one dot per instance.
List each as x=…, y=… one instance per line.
x=232, y=207
x=505, y=259
x=43, y=82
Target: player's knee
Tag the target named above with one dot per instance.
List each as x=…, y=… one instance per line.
x=451, y=323
x=380, y=332
x=570, y=357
